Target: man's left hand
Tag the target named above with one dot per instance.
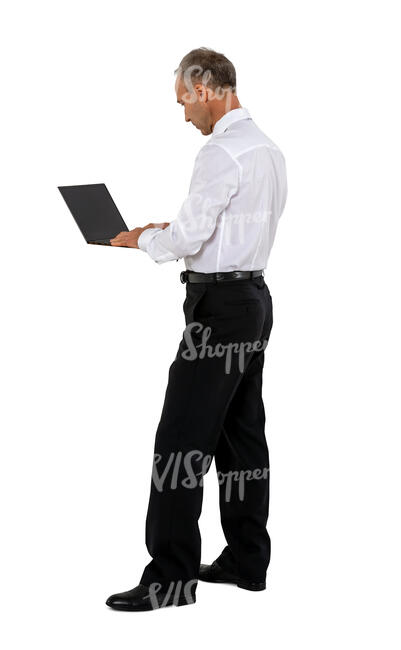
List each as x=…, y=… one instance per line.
x=130, y=238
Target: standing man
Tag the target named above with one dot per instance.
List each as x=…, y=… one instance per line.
x=213, y=405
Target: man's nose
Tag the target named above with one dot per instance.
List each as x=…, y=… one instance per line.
x=187, y=119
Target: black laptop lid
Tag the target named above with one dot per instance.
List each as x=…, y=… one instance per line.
x=94, y=210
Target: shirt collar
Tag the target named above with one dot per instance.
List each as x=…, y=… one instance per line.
x=232, y=116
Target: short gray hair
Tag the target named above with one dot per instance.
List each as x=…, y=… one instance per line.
x=218, y=70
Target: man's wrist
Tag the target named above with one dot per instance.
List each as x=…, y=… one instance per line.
x=145, y=237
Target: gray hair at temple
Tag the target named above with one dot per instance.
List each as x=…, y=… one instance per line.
x=208, y=67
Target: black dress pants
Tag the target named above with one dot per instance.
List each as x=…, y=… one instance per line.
x=213, y=408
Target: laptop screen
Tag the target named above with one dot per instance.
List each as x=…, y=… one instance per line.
x=94, y=210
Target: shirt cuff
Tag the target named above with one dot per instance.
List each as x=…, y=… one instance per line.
x=145, y=237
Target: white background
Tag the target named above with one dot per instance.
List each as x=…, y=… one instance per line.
x=89, y=332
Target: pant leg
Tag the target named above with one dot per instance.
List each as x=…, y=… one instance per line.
x=198, y=395
x=242, y=463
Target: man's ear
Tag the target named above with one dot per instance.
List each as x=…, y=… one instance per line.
x=201, y=92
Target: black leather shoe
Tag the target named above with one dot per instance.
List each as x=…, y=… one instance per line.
x=214, y=573
x=143, y=599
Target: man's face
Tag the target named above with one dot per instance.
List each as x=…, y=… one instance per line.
x=196, y=106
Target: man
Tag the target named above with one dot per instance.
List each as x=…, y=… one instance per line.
x=213, y=405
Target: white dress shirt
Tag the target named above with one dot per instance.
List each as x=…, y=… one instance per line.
x=237, y=193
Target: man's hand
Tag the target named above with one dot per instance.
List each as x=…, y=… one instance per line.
x=129, y=239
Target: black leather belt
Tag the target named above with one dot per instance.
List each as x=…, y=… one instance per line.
x=192, y=276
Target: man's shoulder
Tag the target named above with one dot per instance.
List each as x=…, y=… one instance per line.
x=242, y=137
x=214, y=151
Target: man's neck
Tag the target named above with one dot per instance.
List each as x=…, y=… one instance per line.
x=225, y=106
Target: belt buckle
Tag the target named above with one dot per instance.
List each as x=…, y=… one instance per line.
x=184, y=276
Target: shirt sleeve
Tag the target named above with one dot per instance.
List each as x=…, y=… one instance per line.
x=215, y=180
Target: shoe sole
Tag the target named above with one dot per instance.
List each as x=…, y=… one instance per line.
x=257, y=586
x=144, y=608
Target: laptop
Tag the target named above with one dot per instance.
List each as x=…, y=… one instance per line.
x=94, y=211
